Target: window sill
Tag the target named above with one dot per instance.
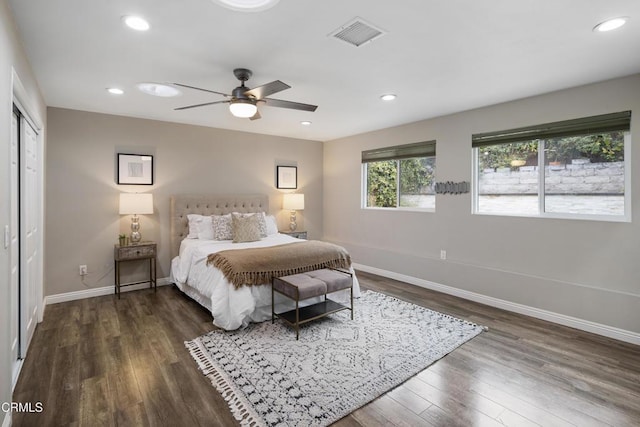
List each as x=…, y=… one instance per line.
x=427, y=210
x=601, y=218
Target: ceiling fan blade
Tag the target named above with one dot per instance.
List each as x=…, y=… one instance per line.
x=201, y=105
x=289, y=104
x=199, y=88
x=269, y=89
x=256, y=116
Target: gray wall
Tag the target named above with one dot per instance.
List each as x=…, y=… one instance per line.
x=11, y=56
x=585, y=269
x=82, y=221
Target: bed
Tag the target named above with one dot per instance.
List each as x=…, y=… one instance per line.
x=232, y=307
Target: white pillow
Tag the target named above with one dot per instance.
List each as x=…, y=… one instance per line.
x=272, y=225
x=205, y=228
x=262, y=222
x=194, y=220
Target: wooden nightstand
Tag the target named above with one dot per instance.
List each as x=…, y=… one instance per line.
x=296, y=234
x=141, y=251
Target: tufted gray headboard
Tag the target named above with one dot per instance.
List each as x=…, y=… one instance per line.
x=204, y=204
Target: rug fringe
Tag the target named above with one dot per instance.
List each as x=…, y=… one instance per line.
x=239, y=406
x=200, y=357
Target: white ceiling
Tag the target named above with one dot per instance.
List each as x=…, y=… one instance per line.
x=438, y=56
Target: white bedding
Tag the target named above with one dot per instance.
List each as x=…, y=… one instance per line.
x=231, y=308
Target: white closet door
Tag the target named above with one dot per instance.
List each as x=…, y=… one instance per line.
x=14, y=246
x=31, y=234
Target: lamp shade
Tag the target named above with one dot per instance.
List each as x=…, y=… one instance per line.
x=136, y=203
x=293, y=202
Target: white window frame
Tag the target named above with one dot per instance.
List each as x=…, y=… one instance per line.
x=364, y=190
x=626, y=217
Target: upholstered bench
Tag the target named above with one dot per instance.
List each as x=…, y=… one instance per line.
x=300, y=287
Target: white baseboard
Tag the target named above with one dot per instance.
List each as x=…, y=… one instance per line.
x=98, y=292
x=561, y=319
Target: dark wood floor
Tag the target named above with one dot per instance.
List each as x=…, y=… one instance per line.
x=103, y=361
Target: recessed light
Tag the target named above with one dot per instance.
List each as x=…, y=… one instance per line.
x=136, y=22
x=157, y=89
x=611, y=24
x=247, y=5
x=115, y=91
x=388, y=97
x=305, y=123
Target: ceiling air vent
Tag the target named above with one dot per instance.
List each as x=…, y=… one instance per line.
x=357, y=32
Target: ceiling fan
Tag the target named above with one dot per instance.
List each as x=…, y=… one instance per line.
x=243, y=101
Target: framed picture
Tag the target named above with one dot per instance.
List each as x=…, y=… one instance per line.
x=287, y=177
x=135, y=169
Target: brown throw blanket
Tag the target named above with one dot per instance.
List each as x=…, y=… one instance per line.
x=257, y=266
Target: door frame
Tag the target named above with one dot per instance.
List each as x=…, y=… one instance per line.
x=21, y=99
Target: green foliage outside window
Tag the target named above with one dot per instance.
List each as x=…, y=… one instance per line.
x=381, y=183
x=416, y=177
x=598, y=148
x=501, y=155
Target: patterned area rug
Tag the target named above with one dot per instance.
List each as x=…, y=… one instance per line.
x=338, y=365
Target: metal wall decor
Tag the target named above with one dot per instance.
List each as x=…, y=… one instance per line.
x=452, y=187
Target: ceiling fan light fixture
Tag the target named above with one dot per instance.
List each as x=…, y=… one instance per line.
x=247, y=5
x=136, y=23
x=243, y=100
x=611, y=24
x=243, y=108
x=157, y=89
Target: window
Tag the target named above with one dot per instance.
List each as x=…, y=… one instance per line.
x=572, y=169
x=400, y=177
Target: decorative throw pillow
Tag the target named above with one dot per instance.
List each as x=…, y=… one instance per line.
x=205, y=228
x=272, y=225
x=261, y=221
x=222, y=229
x=245, y=228
x=193, y=220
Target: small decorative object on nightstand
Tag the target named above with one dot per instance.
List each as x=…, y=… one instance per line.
x=141, y=251
x=296, y=234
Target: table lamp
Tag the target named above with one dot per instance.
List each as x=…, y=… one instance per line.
x=134, y=204
x=293, y=202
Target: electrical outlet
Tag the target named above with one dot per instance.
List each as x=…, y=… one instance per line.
x=443, y=254
x=83, y=270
